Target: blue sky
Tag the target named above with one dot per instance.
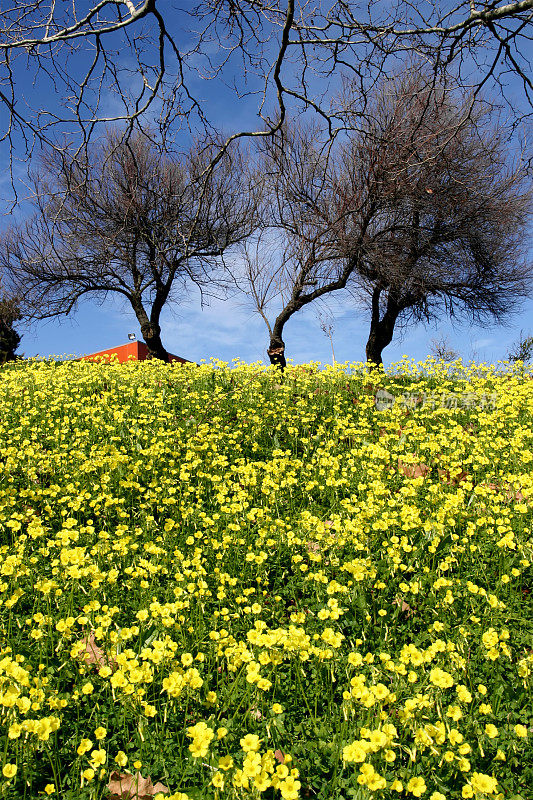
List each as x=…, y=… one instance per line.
x=230, y=329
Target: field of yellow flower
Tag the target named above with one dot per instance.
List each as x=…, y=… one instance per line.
x=218, y=582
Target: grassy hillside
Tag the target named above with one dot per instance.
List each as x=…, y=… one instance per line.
x=237, y=585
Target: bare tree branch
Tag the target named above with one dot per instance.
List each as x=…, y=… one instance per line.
x=416, y=207
x=126, y=220
x=148, y=56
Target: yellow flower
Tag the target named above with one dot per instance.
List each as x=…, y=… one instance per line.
x=239, y=779
x=49, y=788
x=455, y=736
x=100, y=733
x=483, y=784
x=199, y=748
x=491, y=731
x=376, y=782
x=521, y=731
x=98, y=757
x=252, y=764
x=121, y=758
x=467, y=791
x=14, y=730
x=381, y=691
x=221, y=732
x=250, y=743
x=9, y=770
x=289, y=788
x=463, y=694
x=84, y=747
x=355, y=752
x=454, y=712
x=277, y=708
x=440, y=678
x=490, y=638
x=218, y=780
x=225, y=763
x=262, y=781
x=417, y=786
x=202, y=736
x=88, y=774
x=105, y=672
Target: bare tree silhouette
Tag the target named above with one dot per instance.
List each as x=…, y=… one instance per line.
x=128, y=220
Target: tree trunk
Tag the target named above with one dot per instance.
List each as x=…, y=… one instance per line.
x=152, y=336
x=276, y=351
x=150, y=328
x=374, y=347
x=381, y=330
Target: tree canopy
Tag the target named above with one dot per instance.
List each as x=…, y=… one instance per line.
x=149, y=62
x=411, y=213
x=127, y=220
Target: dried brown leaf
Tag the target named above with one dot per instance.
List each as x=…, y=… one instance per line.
x=123, y=786
x=418, y=470
x=92, y=654
x=279, y=756
x=404, y=607
x=444, y=474
x=160, y=788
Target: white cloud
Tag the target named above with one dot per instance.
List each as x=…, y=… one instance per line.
x=479, y=343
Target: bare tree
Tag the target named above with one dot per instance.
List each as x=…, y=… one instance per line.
x=129, y=221
x=110, y=60
x=410, y=212
x=327, y=326
x=450, y=224
x=442, y=350
x=9, y=338
x=296, y=260
x=522, y=349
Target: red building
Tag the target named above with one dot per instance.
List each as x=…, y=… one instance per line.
x=133, y=351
